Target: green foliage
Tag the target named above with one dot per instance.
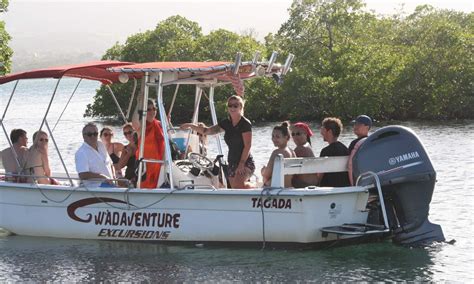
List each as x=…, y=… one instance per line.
x=5, y=51
x=348, y=61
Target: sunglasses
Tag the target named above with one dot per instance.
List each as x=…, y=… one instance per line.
x=44, y=140
x=127, y=132
x=151, y=109
x=91, y=134
x=296, y=133
x=108, y=134
x=233, y=105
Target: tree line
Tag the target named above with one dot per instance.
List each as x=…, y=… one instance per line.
x=348, y=61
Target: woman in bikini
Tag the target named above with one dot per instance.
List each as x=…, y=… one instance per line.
x=37, y=162
x=128, y=158
x=113, y=148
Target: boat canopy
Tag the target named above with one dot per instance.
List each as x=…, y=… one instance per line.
x=96, y=71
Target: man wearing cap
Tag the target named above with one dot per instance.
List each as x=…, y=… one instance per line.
x=361, y=129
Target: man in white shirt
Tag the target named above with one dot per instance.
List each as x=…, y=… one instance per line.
x=93, y=163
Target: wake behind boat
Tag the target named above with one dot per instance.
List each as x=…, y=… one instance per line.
x=395, y=179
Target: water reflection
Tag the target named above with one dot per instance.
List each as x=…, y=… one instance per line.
x=78, y=260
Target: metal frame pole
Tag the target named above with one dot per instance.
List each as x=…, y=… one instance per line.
x=197, y=101
x=117, y=103
x=129, y=109
x=67, y=104
x=15, y=154
x=214, y=117
x=143, y=128
x=168, y=161
x=59, y=153
x=50, y=103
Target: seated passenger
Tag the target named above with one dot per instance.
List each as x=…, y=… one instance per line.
x=330, y=129
x=13, y=166
x=37, y=163
x=114, y=149
x=301, y=134
x=93, y=163
x=280, y=138
x=128, y=158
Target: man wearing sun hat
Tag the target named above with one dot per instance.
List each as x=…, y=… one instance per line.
x=362, y=125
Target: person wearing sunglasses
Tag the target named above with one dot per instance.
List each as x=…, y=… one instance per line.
x=93, y=163
x=238, y=137
x=128, y=158
x=280, y=138
x=13, y=166
x=301, y=134
x=154, y=148
x=113, y=148
x=37, y=163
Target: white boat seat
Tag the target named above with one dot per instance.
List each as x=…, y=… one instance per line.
x=296, y=166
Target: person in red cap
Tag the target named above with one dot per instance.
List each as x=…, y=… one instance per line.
x=301, y=134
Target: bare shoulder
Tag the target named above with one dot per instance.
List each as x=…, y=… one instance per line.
x=304, y=151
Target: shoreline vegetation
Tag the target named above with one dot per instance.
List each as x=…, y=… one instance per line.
x=347, y=62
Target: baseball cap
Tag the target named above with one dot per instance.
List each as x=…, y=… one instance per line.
x=363, y=119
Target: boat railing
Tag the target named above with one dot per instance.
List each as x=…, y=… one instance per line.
x=307, y=165
x=76, y=181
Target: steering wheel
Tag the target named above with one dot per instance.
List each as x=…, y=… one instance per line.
x=184, y=166
x=200, y=161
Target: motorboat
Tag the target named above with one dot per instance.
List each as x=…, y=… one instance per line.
x=393, y=178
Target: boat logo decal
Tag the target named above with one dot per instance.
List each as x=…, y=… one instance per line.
x=125, y=223
x=71, y=209
x=402, y=158
x=276, y=203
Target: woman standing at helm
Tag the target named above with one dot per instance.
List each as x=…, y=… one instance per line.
x=238, y=137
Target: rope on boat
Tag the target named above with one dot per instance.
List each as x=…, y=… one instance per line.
x=267, y=191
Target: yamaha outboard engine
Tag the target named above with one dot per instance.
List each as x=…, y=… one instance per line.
x=407, y=179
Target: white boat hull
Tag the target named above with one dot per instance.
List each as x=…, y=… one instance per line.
x=287, y=216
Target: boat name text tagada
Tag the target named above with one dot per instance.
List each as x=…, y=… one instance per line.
x=276, y=203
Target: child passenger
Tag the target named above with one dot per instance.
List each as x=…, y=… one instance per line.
x=280, y=138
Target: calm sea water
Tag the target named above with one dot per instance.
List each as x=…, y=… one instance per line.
x=449, y=144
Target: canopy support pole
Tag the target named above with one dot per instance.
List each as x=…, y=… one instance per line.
x=143, y=128
x=116, y=102
x=172, y=106
x=168, y=160
x=15, y=154
x=10, y=99
x=50, y=103
x=197, y=100
x=67, y=104
x=133, y=96
x=214, y=117
x=59, y=153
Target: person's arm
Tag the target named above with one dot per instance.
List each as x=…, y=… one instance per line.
x=268, y=169
x=202, y=129
x=126, y=154
x=138, y=110
x=47, y=169
x=91, y=175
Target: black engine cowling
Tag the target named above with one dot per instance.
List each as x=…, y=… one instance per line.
x=407, y=177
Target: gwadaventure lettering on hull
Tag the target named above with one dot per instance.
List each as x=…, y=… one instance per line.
x=143, y=225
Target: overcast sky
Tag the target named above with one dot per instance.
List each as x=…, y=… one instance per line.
x=39, y=26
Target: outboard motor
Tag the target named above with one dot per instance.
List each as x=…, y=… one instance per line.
x=407, y=179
